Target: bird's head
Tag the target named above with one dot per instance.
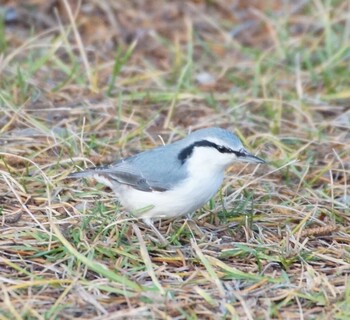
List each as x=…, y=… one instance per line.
x=214, y=148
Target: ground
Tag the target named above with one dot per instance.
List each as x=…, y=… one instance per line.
x=85, y=83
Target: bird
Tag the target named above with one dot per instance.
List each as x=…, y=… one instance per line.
x=174, y=179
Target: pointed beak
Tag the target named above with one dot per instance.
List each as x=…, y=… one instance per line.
x=248, y=157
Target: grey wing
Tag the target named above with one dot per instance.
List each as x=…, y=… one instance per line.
x=158, y=169
x=124, y=173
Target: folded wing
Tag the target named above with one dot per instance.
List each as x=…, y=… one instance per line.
x=124, y=173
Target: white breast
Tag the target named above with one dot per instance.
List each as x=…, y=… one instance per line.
x=205, y=178
x=185, y=198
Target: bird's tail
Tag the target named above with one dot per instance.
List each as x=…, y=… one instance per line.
x=81, y=174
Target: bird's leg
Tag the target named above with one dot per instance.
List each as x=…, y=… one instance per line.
x=190, y=222
x=189, y=215
x=149, y=223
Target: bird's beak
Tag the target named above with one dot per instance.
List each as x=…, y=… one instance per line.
x=248, y=157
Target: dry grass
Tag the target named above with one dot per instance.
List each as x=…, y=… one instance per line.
x=86, y=85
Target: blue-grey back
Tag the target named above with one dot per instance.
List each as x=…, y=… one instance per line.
x=160, y=166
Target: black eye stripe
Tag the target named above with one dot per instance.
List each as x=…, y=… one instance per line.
x=223, y=149
x=187, y=152
x=240, y=153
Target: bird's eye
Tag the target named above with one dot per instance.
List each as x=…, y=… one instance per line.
x=222, y=149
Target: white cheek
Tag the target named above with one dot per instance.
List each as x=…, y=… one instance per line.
x=228, y=158
x=210, y=159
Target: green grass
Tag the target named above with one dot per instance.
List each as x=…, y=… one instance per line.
x=273, y=244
